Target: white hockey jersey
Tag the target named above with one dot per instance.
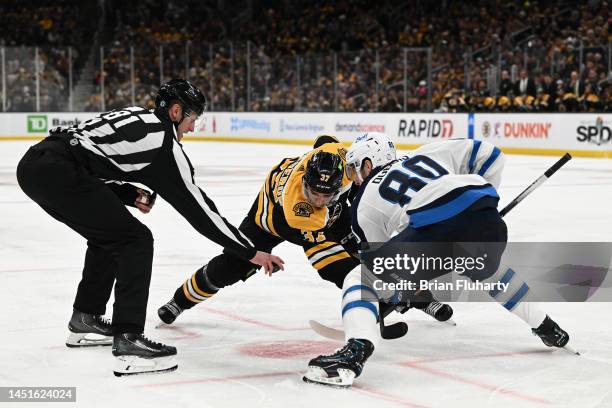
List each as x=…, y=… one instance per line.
x=431, y=184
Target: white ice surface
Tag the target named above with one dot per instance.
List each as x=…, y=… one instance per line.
x=249, y=345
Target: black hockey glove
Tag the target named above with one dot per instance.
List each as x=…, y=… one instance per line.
x=351, y=244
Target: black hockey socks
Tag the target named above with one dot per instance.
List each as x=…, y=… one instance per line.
x=195, y=290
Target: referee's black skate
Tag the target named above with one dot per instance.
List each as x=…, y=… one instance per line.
x=342, y=367
x=137, y=354
x=551, y=334
x=169, y=312
x=87, y=330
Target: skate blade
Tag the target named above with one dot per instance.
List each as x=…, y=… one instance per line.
x=316, y=375
x=571, y=350
x=450, y=322
x=76, y=340
x=134, y=365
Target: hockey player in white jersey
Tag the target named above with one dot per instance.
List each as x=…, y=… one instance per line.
x=436, y=193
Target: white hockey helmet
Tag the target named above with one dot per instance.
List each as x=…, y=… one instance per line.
x=375, y=146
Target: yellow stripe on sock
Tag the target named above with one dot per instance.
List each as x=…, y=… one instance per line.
x=188, y=295
x=319, y=247
x=197, y=289
x=326, y=261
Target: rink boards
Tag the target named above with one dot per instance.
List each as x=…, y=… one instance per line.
x=583, y=135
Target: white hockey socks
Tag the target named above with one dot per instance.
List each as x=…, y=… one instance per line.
x=359, y=309
x=517, y=298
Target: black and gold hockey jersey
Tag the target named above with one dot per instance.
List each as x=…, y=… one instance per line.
x=282, y=210
x=280, y=213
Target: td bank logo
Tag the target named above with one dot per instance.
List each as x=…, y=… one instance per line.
x=37, y=123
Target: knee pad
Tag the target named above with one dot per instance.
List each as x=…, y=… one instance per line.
x=493, y=251
x=138, y=238
x=356, y=283
x=352, y=278
x=225, y=270
x=336, y=272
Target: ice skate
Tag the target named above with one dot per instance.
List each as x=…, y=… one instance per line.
x=169, y=312
x=342, y=367
x=553, y=336
x=137, y=354
x=87, y=330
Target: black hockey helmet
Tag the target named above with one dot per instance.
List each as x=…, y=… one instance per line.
x=324, y=173
x=185, y=93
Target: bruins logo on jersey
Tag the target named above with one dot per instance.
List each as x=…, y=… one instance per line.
x=303, y=209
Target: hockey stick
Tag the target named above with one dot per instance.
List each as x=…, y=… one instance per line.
x=326, y=331
x=547, y=174
x=399, y=329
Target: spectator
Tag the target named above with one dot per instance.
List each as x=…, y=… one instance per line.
x=505, y=85
x=575, y=85
x=525, y=85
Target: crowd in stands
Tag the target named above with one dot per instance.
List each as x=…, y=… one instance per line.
x=52, y=26
x=316, y=55
x=560, y=63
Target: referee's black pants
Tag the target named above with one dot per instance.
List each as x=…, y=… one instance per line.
x=119, y=247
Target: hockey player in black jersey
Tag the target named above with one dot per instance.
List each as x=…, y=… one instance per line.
x=78, y=176
x=304, y=200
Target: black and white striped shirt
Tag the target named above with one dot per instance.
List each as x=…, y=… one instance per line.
x=135, y=145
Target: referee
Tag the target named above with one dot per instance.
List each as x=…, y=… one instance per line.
x=80, y=176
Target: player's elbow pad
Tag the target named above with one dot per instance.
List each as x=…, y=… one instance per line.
x=494, y=175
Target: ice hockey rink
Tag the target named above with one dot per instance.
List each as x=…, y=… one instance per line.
x=250, y=344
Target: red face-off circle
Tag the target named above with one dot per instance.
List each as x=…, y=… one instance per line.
x=289, y=349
